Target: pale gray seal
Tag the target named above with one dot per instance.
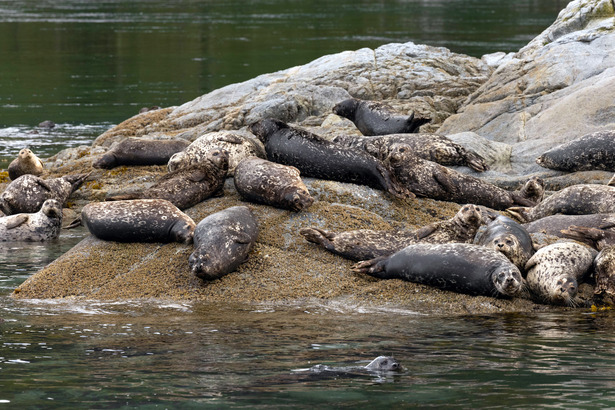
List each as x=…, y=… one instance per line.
x=381, y=364
x=508, y=237
x=40, y=226
x=25, y=163
x=595, y=151
x=266, y=182
x=222, y=242
x=140, y=151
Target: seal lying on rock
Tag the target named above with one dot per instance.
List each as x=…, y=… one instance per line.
x=140, y=151
x=432, y=147
x=139, y=220
x=188, y=186
x=27, y=193
x=459, y=267
x=376, y=118
x=316, y=157
x=25, y=163
x=554, y=224
x=267, y=182
x=40, y=226
x=508, y=237
x=595, y=151
x=604, y=266
x=364, y=244
x=222, y=242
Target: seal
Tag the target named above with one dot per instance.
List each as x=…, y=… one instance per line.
x=581, y=199
x=604, y=268
x=27, y=193
x=594, y=237
x=41, y=226
x=376, y=118
x=25, y=163
x=508, y=237
x=595, y=151
x=553, y=272
x=47, y=124
x=188, y=186
x=381, y=364
x=432, y=147
x=222, y=242
x=554, y=224
x=266, y=182
x=318, y=158
x=459, y=267
x=139, y=220
x=140, y=151
x=364, y=244
x=428, y=179
x=237, y=145
x=533, y=190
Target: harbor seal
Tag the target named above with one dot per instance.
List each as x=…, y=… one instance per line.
x=508, y=237
x=594, y=237
x=376, y=118
x=458, y=267
x=595, y=151
x=25, y=163
x=604, y=268
x=364, y=244
x=432, y=147
x=139, y=220
x=140, y=151
x=188, y=186
x=554, y=224
x=553, y=272
x=43, y=225
x=27, y=193
x=266, y=182
x=222, y=242
x=318, y=158
x=237, y=145
x=381, y=364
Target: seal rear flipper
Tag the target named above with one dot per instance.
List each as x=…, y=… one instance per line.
x=374, y=267
x=75, y=223
x=318, y=236
x=16, y=220
x=77, y=180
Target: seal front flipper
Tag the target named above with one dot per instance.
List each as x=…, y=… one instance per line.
x=425, y=231
x=520, y=213
x=474, y=161
x=242, y=237
x=414, y=123
x=520, y=200
x=231, y=139
x=392, y=185
x=16, y=220
x=444, y=180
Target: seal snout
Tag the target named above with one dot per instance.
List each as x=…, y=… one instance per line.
x=567, y=289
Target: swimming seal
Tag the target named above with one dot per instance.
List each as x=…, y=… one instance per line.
x=508, y=237
x=318, y=158
x=222, y=242
x=140, y=151
x=364, y=244
x=595, y=151
x=40, y=226
x=27, y=193
x=188, y=186
x=266, y=182
x=25, y=163
x=459, y=267
x=553, y=273
x=376, y=118
x=381, y=364
x=139, y=220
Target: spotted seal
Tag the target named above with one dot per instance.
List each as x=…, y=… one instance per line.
x=140, y=151
x=432, y=147
x=364, y=244
x=377, y=118
x=237, y=145
x=40, y=226
x=604, y=268
x=508, y=237
x=381, y=364
x=316, y=157
x=188, y=186
x=25, y=163
x=595, y=151
x=222, y=242
x=139, y=220
x=266, y=182
x=27, y=193
x=553, y=272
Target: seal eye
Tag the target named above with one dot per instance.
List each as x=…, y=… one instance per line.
x=402, y=150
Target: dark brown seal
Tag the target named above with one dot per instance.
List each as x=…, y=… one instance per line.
x=266, y=182
x=140, y=151
x=364, y=244
x=377, y=118
x=595, y=151
x=25, y=163
x=508, y=237
x=189, y=186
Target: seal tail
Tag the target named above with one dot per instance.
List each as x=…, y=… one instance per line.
x=374, y=267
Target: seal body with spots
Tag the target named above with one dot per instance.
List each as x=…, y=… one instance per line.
x=458, y=267
x=318, y=158
x=364, y=244
x=376, y=118
x=508, y=237
x=222, y=242
x=237, y=145
x=25, y=163
x=140, y=151
x=595, y=151
x=188, y=186
x=554, y=272
x=604, y=267
x=43, y=225
x=262, y=181
x=27, y=193
x=139, y=220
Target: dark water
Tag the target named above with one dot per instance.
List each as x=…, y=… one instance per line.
x=88, y=65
